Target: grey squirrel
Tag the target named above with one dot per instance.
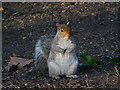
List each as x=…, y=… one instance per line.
x=59, y=53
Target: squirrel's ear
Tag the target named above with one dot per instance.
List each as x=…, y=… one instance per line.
x=58, y=25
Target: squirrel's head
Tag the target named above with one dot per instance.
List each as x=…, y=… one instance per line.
x=63, y=31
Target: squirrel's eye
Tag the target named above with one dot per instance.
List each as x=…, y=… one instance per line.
x=62, y=30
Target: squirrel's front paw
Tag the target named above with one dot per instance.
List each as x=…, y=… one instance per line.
x=72, y=76
x=64, y=50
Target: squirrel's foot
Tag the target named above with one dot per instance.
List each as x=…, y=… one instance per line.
x=30, y=70
x=56, y=77
x=72, y=76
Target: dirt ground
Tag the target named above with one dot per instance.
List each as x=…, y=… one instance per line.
x=94, y=26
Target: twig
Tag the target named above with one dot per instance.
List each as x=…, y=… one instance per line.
x=107, y=76
x=94, y=70
x=86, y=80
x=118, y=74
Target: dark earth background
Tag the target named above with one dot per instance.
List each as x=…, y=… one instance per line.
x=94, y=26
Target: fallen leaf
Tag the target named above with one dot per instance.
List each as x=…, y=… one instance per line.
x=17, y=61
x=81, y=3
x=67, y=3
x=76, y=3
x=77, y=85
x=90, y=87
x=88, y=60
x=13, y=55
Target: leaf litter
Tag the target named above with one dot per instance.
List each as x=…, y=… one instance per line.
x=17, y=61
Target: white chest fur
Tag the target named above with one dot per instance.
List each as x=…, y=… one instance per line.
x=63, y=43
x=64, y=60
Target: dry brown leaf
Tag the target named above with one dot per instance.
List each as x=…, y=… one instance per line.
x=81, y=3
x=76, y=3
x=67, y=3
x=13, y=55
x=77, y=85
x=17, y=61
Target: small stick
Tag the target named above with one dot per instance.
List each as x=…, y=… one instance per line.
x=107, y=76
x=86, y=80
x=118, y=74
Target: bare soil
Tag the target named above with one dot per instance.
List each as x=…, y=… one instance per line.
x=94, y=26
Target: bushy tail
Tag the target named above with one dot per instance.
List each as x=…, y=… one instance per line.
x=42, y=49
x=38, y=52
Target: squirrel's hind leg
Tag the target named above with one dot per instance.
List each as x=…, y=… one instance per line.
x=72, y=69
x=54, y=70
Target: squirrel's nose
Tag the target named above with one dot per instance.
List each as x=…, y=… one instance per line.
x=69, y=36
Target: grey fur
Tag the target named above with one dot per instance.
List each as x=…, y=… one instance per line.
x=59, y=55
x=67, y=67
x=42, y=49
